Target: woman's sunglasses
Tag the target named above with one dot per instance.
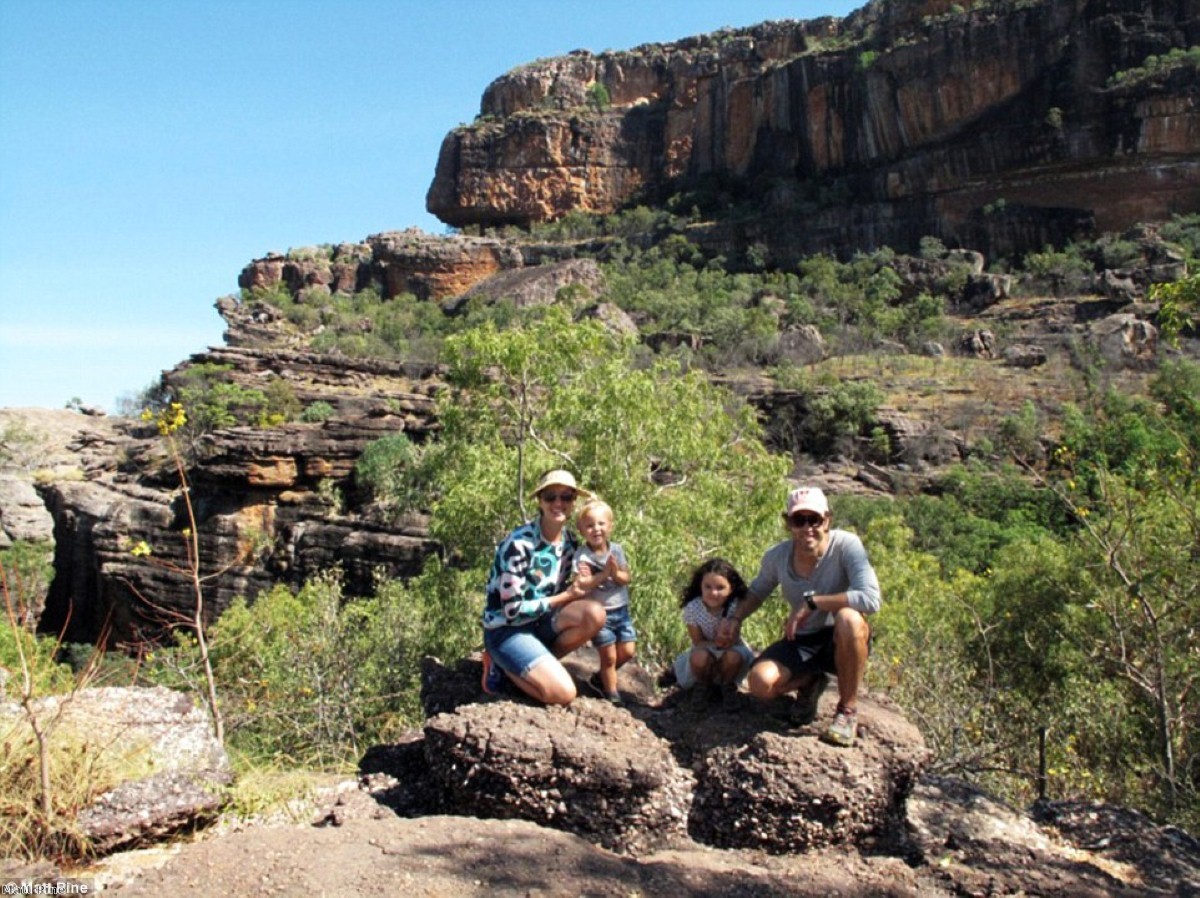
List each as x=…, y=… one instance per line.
x=558, y=497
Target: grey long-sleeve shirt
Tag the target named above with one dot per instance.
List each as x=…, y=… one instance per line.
x=843, y=568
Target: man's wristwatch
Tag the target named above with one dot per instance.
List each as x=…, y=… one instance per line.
x=810, y=600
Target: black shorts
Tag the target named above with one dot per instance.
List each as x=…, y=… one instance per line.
x=807, y=653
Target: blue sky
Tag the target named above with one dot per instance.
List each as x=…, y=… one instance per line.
x=149, y=149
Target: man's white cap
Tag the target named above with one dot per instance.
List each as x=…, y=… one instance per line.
x=807, y=498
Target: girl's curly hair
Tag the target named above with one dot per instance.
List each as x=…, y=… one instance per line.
x=715, y=566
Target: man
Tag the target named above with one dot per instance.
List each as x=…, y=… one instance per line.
x=829, y=583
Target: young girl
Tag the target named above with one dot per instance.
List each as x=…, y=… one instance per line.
x=602, y=571
x=712, y=596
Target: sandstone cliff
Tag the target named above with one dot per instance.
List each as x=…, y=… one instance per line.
x=997, y=128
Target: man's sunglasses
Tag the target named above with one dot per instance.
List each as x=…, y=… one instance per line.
x=558, y=497
x=806, y=520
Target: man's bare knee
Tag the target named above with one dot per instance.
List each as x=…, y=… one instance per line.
x=851, y=625
x=762, y=681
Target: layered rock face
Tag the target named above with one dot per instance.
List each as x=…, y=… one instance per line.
x=994, y=128
x=272, y=505
x=394, y=262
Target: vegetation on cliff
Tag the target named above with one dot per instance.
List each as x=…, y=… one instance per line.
x=1044, y=588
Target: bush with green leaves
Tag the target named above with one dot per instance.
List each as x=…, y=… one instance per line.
x=1061, y=271
x=1179, y=306
x=598, y=96
x=828, y=417
x=310, y=678
x=1157, y=66
x=389, y=472
x=670, y=452
x=1184, y=231
x=316, y=412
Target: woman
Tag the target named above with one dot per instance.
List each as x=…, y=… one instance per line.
x=532, y=616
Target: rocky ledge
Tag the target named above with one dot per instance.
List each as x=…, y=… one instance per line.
x=662, y=775
x=658, y=797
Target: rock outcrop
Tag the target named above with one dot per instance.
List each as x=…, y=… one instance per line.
x=661, y=779
x=999, y=126
x=655, y=775
x=263, y=517
x=157, y=746
x=428, y=267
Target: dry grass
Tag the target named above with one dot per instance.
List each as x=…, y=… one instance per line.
x=80, y=771
x=972, y=396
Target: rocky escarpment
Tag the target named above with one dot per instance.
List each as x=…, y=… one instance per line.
x=394, y=262
x=272, y=505
x=1000, y=127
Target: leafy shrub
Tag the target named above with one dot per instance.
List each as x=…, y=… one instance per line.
x=1155, y=66
x=598, y=97
x=1061, y=271
x=309, y=679
x=1179, y=306
x=1184, y=230
x=316, y=412
x=830, y=417
x=1021, y=433
x=1116, y=252
x=27, y=567
x=389, y=472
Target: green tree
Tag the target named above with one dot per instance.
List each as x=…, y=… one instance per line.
x=1128, y=474
x=680, y=461
x=598, y=96
x=1179, y=305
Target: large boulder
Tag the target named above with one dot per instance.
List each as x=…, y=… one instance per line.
x=540, y=285
x=591, y=769
x=1127, y=340
x=657, y=772
x=977, y=845
x=789, y=792
x=23, y=515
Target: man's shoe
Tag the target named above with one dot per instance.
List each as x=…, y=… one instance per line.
x=493, y=677
x=844, y=727
x=804, y=711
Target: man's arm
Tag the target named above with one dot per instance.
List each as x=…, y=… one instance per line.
x=730, y=627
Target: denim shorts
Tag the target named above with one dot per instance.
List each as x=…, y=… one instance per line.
x=518, y=650
x=618, y=627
